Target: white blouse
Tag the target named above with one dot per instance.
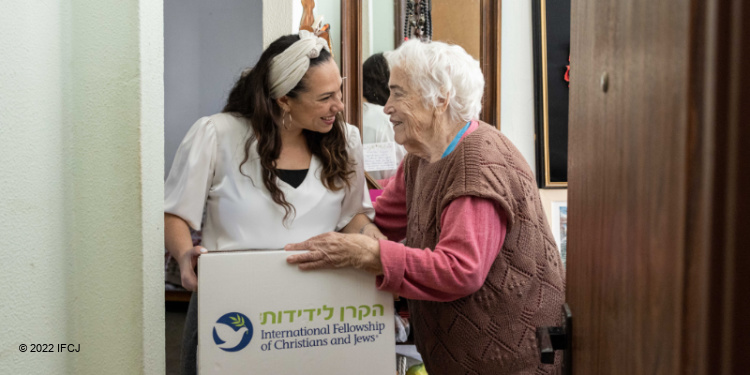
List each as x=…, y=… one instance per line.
x=240, y=213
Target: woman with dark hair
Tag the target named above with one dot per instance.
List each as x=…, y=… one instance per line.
x=375, y=76
x=277, y=164
x=376, y=126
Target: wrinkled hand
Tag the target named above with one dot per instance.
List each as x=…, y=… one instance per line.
x=372, y=230
x=188, y=261
x=337, y=250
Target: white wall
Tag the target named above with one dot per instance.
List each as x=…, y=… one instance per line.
x=517, y=72
x=331, y=12
x=378, y=27
x=367, y=25
x=384, y=26
x=206, y=47
x=280, y=17
x=80, y=216
x=517, y=88
x=32, y=208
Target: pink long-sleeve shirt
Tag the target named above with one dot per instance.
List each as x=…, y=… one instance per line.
x=473, y=231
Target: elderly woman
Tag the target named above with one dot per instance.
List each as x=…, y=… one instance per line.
x=479, y=264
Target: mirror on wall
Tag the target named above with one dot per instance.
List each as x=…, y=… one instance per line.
x=379, y=24
x=383, y=30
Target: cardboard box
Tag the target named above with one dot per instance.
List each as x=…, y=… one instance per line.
x=259, y=315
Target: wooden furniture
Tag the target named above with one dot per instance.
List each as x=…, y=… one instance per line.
x=658, y=176
x=351, y=60
x=177, y=295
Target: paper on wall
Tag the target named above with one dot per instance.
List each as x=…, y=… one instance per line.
x=380, y=156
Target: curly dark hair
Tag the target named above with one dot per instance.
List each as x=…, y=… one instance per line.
x=251, y=99
x=375, y=75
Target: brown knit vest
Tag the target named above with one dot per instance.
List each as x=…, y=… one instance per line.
x=491, y=331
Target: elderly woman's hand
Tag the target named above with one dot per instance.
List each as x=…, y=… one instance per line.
x=337, y=250
x=372, y=230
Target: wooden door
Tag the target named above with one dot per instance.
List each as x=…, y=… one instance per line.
x=658, y=186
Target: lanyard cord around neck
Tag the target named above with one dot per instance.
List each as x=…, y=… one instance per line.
x=455, y=140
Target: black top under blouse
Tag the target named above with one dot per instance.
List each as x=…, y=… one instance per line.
x=293, y=177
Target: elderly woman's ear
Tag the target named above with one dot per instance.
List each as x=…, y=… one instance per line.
x=443, y=102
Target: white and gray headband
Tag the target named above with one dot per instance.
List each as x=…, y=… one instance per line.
x=288, y=67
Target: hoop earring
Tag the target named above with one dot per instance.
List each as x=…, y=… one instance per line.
x=283, y=121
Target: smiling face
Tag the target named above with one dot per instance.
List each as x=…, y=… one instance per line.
x=411, y=120
x=315, y=108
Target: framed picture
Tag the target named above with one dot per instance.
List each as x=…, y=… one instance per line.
x=559, y=225
x=551, y=24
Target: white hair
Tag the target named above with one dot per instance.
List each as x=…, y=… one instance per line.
x=442, y=71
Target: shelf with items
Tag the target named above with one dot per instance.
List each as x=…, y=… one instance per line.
x=177, y=295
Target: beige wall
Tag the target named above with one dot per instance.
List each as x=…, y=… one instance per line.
x=458, y=23
x=81, y=108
